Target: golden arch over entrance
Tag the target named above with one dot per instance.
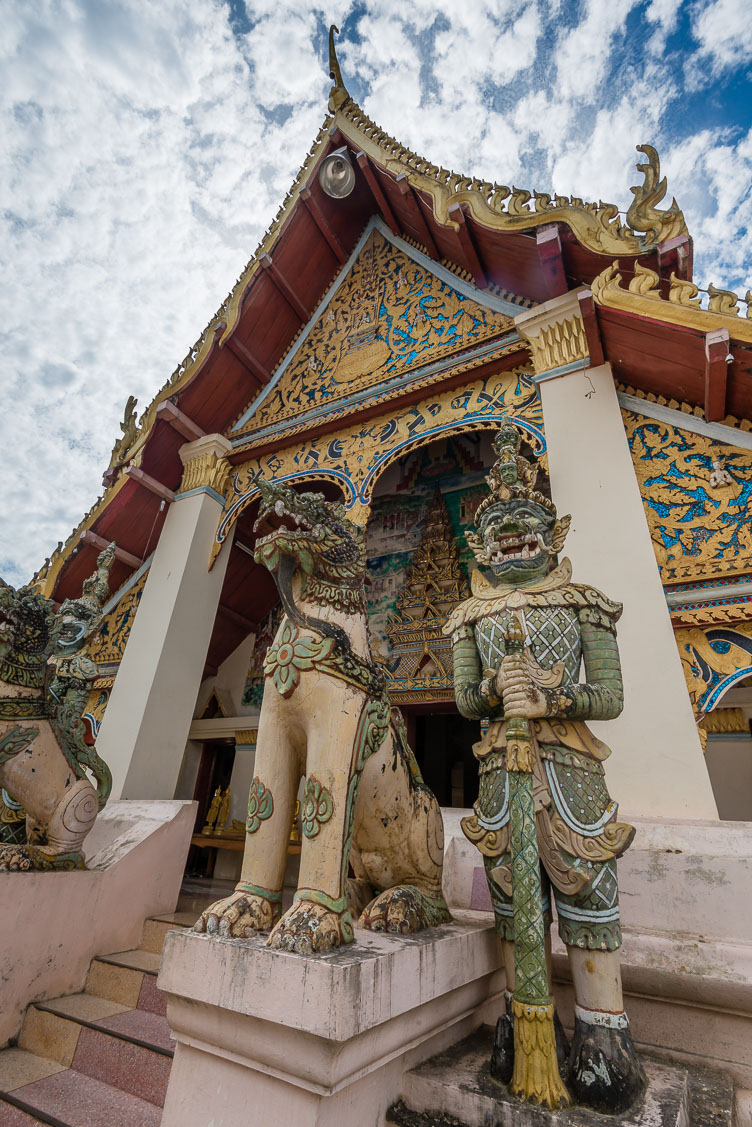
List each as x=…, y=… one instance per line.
x=354, y=459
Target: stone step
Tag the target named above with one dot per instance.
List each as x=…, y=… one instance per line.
x=155, y=930
x=73, y=1099
x=128, y=1049
x=130, y=978
x=455, y=1089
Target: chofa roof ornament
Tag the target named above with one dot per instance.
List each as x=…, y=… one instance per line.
x=338, y=93
x=644, y=214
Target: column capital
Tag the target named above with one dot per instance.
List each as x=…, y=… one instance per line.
x=205, y=465
x=555, y=334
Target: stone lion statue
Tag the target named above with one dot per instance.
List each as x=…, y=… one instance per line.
x=326, y=717
x=45, y=762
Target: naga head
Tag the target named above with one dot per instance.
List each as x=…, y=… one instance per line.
x=26, y=623
x=316, y=533
x=519, y=532
x=77, y=619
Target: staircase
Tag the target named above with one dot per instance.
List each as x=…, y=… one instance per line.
x=101, y=1058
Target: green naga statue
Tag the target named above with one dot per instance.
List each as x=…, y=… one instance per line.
x=544, y=821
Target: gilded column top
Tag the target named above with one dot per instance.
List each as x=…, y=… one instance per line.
x=555, y=333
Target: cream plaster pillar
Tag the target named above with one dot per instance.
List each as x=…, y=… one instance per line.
x=145, y=727
x=657, y=767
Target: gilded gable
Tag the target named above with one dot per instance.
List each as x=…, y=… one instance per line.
x=389, y=316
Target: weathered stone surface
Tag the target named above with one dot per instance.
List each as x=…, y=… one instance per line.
x=455, y=1089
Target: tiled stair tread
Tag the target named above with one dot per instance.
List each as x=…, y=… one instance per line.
x=119, y=984
x=80, y=1100
x=11, y=1116
x=61, y=1038
x=178, y=919
x=84, y=1007
x=19, y=1067
x=150, y=997
x=129, y=1065
x=143, y=1026
x=134, y=960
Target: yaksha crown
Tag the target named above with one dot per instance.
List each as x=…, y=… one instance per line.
x=512, y=475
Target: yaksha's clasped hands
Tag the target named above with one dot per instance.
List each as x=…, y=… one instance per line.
x=518, y=692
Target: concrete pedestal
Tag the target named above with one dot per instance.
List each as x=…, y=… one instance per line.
x=276, y=1038
x=456, y=1089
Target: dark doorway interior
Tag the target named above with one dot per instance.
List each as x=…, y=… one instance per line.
x=443, y=746
x=215, y=770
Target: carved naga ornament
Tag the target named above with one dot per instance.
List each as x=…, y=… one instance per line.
x=45, y=761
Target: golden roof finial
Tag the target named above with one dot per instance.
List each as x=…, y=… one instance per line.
x=644, y=214
x=338, y=93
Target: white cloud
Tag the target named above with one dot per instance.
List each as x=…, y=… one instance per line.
x=723, y=30
x=144, y=148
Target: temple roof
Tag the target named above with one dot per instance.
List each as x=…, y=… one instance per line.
x=505, y=241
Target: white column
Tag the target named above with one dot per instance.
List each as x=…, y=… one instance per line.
x=145, y=727
x=657, y=768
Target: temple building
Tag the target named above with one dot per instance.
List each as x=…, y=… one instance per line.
x=368, y=351
x=393, y=316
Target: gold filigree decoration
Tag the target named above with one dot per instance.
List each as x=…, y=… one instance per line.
x=706, y=615
x=389, y=316
x=682, y=307
x=723, y=301
x=206, y=470
x=697, y=531
x=644, y=213
x=560, y=343
x=713, y=660
x=354, y=458
x=597, y=226
x=109, y=644
x=684, y=293
x=725, y=721
x=129, y=431
x=645, y=282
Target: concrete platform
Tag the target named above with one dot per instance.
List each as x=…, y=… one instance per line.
x=455, y=1089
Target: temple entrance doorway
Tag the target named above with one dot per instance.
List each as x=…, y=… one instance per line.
x=443, y=746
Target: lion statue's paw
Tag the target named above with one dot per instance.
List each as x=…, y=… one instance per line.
x=307, y=927
x=404, y=909
x=15, y=859
x=240, y=916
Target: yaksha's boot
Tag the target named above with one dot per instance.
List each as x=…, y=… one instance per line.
x=604, y=1070
x=502, y=1055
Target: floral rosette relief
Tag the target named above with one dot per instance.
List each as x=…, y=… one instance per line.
x=290, y=655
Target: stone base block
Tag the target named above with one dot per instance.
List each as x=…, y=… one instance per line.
x=276, y=1038
x=455, y=1089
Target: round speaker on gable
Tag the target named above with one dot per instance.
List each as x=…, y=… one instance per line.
x=337, y=175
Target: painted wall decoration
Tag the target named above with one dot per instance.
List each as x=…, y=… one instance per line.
x=697, y=494
x=389, y=316
x=355, y=458
x=714, y=658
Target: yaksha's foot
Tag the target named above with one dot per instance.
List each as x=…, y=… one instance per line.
x=502, y=1055
x=240, y=916
x=404, y=909
x=604, y=1069
x=308, y=927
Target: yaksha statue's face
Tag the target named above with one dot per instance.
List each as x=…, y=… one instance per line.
x=516, y=538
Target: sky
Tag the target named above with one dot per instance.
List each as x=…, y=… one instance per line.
x=145, y=147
